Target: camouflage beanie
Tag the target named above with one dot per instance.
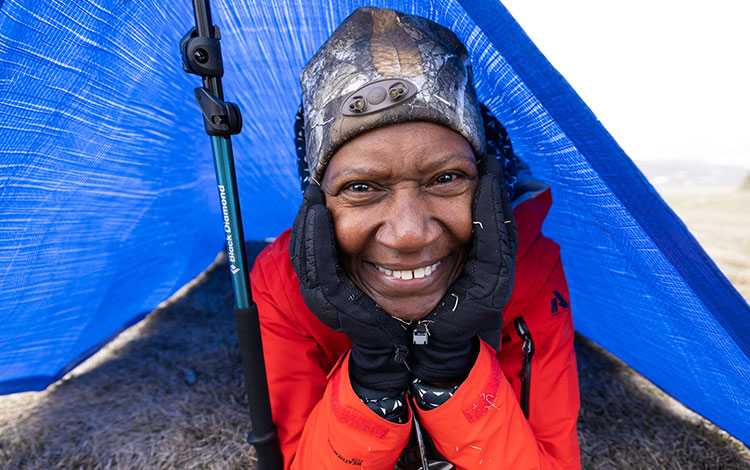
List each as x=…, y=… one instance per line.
x=382, y=67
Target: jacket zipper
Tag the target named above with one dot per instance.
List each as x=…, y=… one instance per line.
x=528, y=353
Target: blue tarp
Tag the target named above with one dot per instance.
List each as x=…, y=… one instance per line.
x=108, y=201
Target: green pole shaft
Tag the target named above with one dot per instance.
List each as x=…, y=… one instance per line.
x=231, y=219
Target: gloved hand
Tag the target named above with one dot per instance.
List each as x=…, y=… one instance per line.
x=379, y=341
x=475, y=300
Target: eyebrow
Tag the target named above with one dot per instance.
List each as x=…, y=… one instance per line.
x=451, y=157
x=357, y=171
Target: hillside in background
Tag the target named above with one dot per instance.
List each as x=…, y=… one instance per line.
x=675, y=174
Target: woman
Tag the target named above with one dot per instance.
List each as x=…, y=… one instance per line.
x=409, y=277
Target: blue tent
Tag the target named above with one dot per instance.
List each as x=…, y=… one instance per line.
x=108, y=201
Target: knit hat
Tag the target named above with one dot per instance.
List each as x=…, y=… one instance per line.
x=382, y=67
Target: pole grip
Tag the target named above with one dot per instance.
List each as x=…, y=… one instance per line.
x=263, y=436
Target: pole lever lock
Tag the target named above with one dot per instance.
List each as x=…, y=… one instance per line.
x=219, y=117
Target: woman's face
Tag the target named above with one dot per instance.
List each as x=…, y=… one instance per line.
x=400, y=197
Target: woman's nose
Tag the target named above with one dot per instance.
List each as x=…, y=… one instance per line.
x=409, y=224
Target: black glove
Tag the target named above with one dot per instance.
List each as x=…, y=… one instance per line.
x=475, y=300
x=379, y=341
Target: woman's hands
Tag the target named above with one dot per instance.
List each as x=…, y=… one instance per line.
x=443, y=351
x=379, y=341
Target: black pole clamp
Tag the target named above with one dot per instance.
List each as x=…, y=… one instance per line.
x=202, y=55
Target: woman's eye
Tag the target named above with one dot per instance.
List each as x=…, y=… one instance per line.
x=445, y=178
x=359, y=187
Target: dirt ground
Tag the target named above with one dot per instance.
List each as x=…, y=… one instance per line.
x=168, y=392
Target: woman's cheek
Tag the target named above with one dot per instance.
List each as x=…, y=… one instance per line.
x=348, y=225
x=460, y=221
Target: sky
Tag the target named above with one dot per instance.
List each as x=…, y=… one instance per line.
x=670, y=80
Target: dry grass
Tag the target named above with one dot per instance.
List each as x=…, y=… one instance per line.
x=168, y=392
x=626, y=422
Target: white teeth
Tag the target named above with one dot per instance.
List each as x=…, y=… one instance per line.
x=407, y=274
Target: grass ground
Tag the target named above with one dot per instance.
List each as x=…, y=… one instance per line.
x=168, y=392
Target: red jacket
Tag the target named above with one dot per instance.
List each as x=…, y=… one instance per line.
x=324, y=425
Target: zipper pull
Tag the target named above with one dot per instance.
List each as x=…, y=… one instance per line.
x=420, y=334
x=528, y=347
x=528, y=352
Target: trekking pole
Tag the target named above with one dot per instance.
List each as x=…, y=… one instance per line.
x=201, y=55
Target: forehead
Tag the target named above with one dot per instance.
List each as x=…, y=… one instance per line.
x=417, y=146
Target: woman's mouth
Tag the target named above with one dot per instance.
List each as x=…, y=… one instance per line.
x=408, y=274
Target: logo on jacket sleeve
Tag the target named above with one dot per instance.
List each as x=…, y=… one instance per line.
x=559, y=304
x=350, y=460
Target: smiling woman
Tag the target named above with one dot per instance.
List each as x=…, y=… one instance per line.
x=415, y=272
